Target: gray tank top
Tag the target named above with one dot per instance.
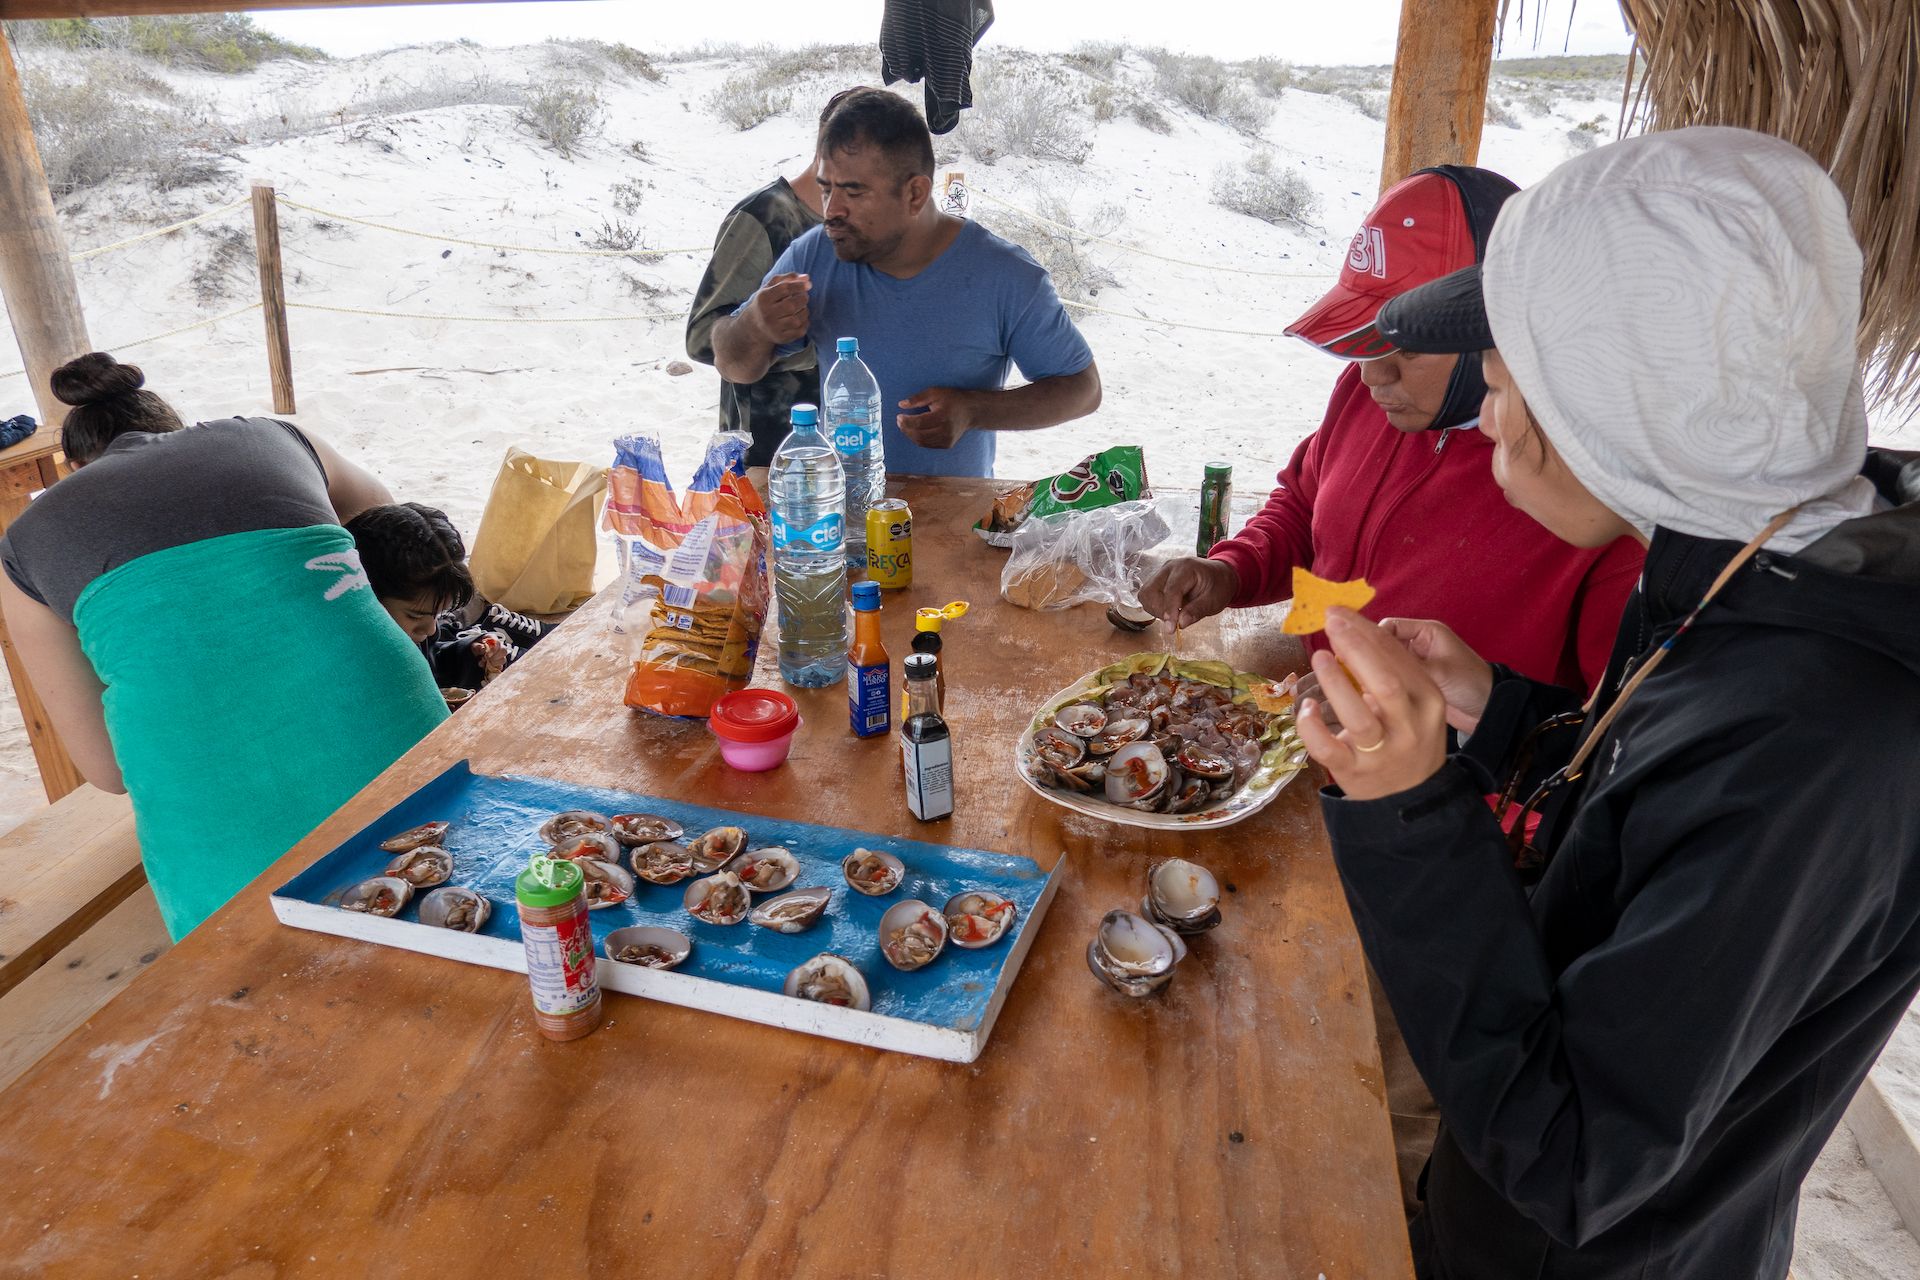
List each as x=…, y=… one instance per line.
x=148, y=493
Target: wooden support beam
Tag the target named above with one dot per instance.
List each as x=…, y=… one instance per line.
x=273, y=296
x=58, y=773
x=1440, y=70
x=36, y=277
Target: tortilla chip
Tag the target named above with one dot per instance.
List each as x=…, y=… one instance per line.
x=1312, y=597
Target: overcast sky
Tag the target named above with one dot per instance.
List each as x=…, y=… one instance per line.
x=1301, y=31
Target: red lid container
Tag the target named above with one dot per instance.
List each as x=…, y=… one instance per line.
x=754, y=715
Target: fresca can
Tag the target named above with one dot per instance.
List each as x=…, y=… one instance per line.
x=890, y=544
x=559, y=943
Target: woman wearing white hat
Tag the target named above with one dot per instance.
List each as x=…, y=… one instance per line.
x=1644, y=995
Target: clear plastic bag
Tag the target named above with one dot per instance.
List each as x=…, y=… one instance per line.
x=1077, y=557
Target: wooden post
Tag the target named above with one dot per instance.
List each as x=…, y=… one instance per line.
x=36, y=277
x=273, y=296
x=1440, y=70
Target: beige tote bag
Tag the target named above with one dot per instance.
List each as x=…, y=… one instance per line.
x=535, y=549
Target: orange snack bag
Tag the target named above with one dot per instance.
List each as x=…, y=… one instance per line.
x=1312, y=597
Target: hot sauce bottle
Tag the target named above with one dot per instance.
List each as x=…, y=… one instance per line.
x=869, y=673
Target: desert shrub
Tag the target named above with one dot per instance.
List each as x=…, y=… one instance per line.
x=1371, y=105
x=1501, y=113
x=226, y=260
x=1209, y=89
x=1260, y=189
x=1020, y=110
x=784, y=66
x=562, y=116
x=1063, y=248
x=1149, y=117
x=616, y=233
x=1270, y=77
x=1539, y=100
x=628, y=193
x=1100, y=57
x=101, y=127
x=1105, y=101
x=623, y=58
x=1586, y=135
x=226, y=42
x=748, y=99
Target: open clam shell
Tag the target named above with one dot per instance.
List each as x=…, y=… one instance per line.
x=1058, y=748
x=423, y=867
x=829, y=979
x=794, y=912
x=574, y=822
x=912, y=934
x=873, y=872
x=1081, y=719
x=633, y=829
x=608, y=884
x=977, y=918
x=456, y=907
x=1182, y=895
x=662, y=862
x=718, y=899
x=588, y=844
x=409, y=840
x=1133, y=955
x=1136, y=774
x=649, y=947
x=716, y=848
x=766, y=870
x=380, y=896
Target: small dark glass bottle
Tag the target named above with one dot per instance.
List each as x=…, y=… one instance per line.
x=926, y=744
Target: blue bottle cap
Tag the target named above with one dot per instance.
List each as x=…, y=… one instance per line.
x=848, y=346
x=805, y=415
x=866, y=597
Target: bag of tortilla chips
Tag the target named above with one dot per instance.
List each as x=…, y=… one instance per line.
x=1100, y=480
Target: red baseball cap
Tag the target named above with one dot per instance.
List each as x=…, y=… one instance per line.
x=1418, y=232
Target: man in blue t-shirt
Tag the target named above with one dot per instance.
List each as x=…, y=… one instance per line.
x=942, y=307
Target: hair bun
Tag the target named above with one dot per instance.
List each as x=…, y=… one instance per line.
x=94, y=377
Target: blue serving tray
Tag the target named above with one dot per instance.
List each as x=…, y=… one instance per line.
x=945, y=1010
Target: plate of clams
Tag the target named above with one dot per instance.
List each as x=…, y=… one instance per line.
x=1160, y=742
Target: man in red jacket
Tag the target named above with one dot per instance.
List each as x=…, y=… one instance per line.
x=1396, y=486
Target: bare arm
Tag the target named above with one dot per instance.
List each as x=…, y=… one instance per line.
x=49, y=650
x=951, y=413
x=743, y=345
x=351, y=488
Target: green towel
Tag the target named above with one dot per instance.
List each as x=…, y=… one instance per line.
x=254, y=685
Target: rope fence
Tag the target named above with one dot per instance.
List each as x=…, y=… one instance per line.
x=207, y=323
x=486, y=244
x=1145, y=253
x=130, y=241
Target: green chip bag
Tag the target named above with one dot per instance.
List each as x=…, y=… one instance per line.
x=1113, y=475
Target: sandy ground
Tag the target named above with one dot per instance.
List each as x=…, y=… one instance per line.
x=433, y=405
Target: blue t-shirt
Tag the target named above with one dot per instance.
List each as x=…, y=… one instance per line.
x=979, y=308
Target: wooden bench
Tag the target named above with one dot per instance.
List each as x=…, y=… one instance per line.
x=77, y=921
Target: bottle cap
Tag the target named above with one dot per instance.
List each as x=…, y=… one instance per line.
x=805, y=415
x=921, y=666
x=1219, y=470
x=548, y=882
x=848, y=346
x=754, y=715
x=930, y=619
x=866, y=597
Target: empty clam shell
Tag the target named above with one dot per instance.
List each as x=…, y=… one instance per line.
x=649, y=947
x=423, y=867
x=794, y=912
x=643, y=828
x=455, y=907
x=977, y=918
x=714, y=849
x=1133, y=955
x=872, y=872
x=1182, y=895
x=829, y=979
x=574, y=822
x=1118, y=733
x=588, y=844
x=912, y=934
x=718, y=899
x=608, y=883
x=766, y=870
x=662, y=862
x=407, y=841
x=380, y=896
x=1081, y=719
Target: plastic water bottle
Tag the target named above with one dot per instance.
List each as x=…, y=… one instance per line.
x=808, y=492
x=853, y=424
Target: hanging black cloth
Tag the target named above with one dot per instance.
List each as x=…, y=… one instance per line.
x=933, y=40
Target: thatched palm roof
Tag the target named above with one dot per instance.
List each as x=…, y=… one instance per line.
x=1841, y=80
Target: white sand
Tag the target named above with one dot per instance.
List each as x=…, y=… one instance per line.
x=432, y=406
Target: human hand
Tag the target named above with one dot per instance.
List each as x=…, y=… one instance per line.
x=1464, y=677
x=1184, y=591
x=949, y=415
x=1393, y=736
x=778, y=312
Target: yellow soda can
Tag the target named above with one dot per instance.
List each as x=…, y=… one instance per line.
x=890, y=544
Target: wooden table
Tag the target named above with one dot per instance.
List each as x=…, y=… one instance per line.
x=267, y=1101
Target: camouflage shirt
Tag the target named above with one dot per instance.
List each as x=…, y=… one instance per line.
x=754, y=234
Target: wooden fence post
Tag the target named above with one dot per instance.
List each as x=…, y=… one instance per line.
x=1441, y=65
x=273, y=296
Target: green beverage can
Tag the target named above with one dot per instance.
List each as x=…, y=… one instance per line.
x=1216, y=501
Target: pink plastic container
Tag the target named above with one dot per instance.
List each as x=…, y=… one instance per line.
x=755, y=728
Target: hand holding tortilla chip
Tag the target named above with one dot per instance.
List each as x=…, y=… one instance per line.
x=1312, y=597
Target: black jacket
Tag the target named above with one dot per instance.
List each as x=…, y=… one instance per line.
x=1637, y=1063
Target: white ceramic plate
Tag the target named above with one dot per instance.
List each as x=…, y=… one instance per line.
x=1283, y=760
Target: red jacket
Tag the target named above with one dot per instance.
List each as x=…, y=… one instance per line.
x=1419, y=516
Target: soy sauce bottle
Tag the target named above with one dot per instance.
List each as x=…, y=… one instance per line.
x=926, y=745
